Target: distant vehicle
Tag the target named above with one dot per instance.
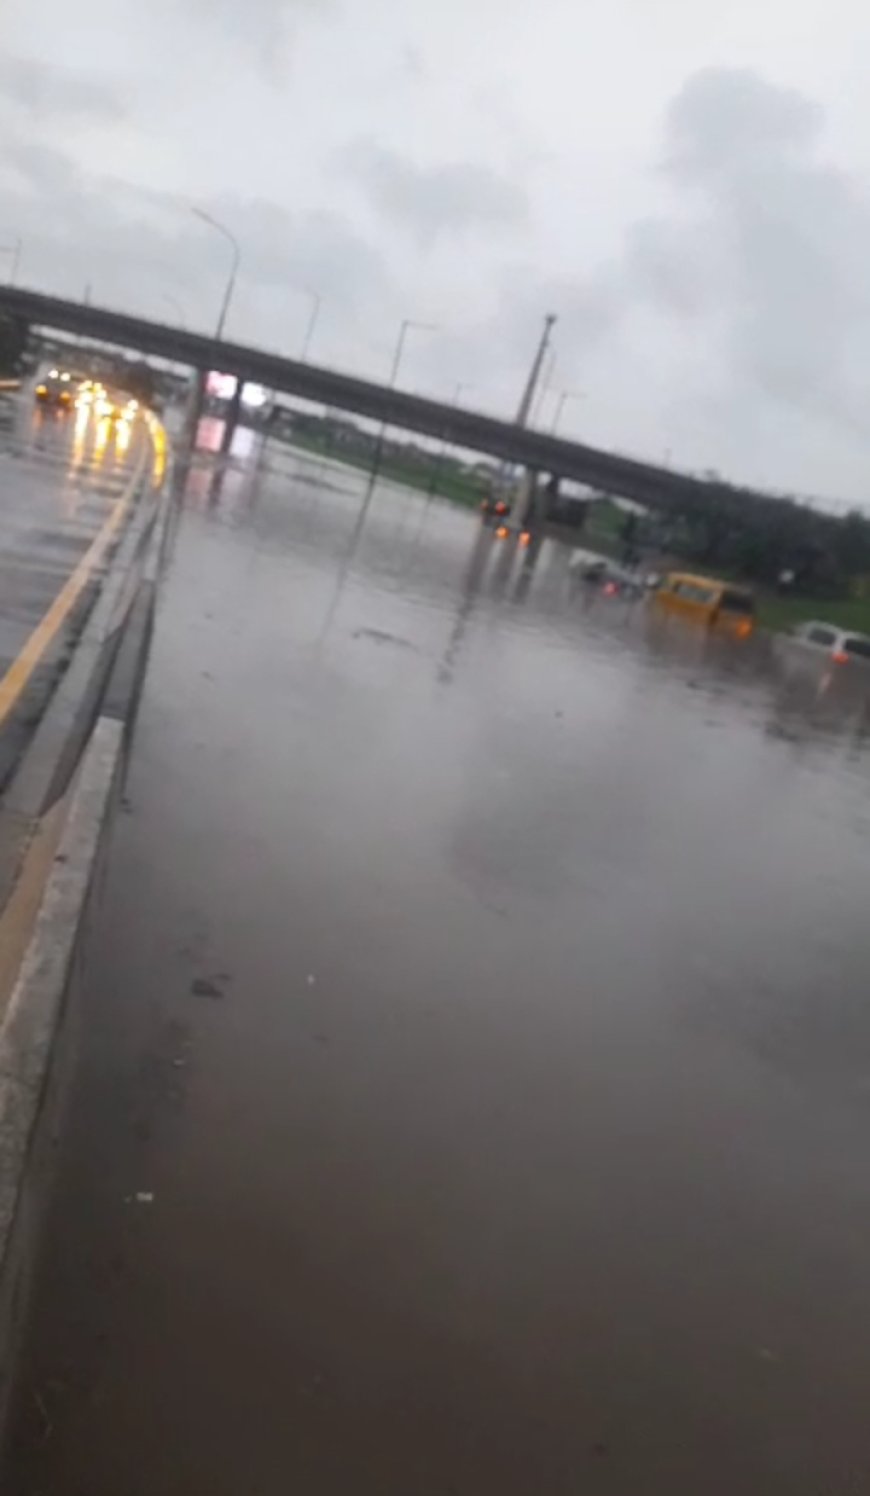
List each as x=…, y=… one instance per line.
x=56, y=388
x=93, y=396
x=817, y=642
x=495, y=510
x=705, y=600
x=607, y=577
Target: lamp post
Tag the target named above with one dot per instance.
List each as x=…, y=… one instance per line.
x=14, y=251
x=408, y=324
x=197, y=394
x=177, y=308
x=523, y=491
x=316, y=304
x=562, y=401
x=234, y=267
x=438, y=464
x=528, y=397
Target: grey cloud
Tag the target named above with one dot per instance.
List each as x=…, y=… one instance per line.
x=134, y=247
x=430, y=202
x=287, y=252
x=796, y=232
x=48, y=92
x=42, y=170
x=725, y=119
x=750, y=297
x=765, y=253
x=266, y=29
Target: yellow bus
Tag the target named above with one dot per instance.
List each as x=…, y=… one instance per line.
x=716, y=605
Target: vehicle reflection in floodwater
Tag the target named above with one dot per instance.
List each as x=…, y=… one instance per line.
x=369, y=532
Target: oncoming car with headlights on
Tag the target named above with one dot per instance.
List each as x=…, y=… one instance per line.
x=56, y=389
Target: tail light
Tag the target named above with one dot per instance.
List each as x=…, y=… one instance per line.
x=840, y=657
x=502, y=532
x=525, y=537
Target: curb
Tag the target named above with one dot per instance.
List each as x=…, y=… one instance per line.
x=36, y=1045
x=78, y=752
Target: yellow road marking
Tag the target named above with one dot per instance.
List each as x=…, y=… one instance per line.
x=33, y=650
x=19, y=915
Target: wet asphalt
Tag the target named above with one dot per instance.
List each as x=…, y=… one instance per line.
x=60, y=472
x=475, y=1088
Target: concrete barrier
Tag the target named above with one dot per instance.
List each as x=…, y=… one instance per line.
x=57, y=744
x=37, y=1037
x=66, y=787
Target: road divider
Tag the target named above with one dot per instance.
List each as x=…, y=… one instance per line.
x=55, y=821
x=17, y=677
x=37, y=1037
x=46, y=767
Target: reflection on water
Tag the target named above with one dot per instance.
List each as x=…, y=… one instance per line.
x=443, y=562
x=540, y=1089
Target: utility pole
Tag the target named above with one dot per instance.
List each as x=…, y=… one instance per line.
x=565, y=396
x=408, y=324
x=233, y=242
x=178, y=309
x=231, y=417
x=316, y=302
x=525, y=407
x=14, y=252
x=523, y=498
x=536, y=415
x=442, y=450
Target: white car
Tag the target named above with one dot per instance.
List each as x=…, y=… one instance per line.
x=826, y=644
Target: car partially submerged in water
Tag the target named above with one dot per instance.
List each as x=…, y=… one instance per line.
x=817, y=647
x=724, y=607
x=601, y=574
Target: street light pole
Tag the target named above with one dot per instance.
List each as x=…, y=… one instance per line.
x=523, y=491
x=405, y=328
x=528, y=397
x=178, y=309
x=407, y=324
x=546, y=384
x=234, y=268
x=438, y=464
x=316, y=304
x=14, y=251
x=565, y=396
x=197, y=394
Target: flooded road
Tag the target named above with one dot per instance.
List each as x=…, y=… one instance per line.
x=475, y=1095
x=61, y=474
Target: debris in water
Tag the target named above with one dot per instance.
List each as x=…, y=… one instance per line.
x=380, y=636
x=205, y=987
x=47, y=1425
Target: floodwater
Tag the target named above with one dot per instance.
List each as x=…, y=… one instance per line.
x=475, y=1095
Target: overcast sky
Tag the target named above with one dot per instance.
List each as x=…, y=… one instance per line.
x=686, y=185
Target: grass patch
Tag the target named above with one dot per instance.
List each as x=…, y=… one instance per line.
x=449, y=483
x=779, y=613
